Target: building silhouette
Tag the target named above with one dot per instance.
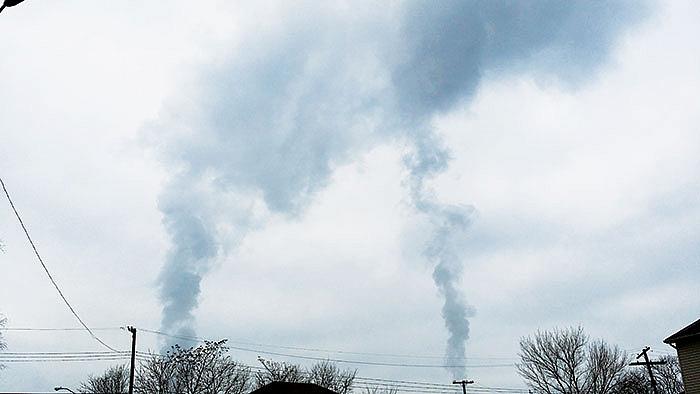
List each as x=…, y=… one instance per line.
x=687, y=345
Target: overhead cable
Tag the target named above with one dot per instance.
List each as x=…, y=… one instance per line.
x=322, y=350
x=336, y=360
x=58, y=289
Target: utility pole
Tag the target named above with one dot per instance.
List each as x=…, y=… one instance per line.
x=132, y=330
x=648, y=364
x=464, y=384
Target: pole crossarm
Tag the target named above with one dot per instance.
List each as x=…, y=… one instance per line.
x=648, y=363
x=464, y=384
x=639, y=363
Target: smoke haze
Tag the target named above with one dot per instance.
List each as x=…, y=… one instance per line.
x=263, y=131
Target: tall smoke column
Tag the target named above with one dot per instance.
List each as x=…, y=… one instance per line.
x=268, y=127
x=194, y=247
x=256, y=136
x=450, y=223
x=447, y=49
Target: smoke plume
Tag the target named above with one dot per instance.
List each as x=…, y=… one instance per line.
x=268, y=127
x=450, y=223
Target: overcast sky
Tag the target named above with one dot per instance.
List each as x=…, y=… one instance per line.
x=349, y=177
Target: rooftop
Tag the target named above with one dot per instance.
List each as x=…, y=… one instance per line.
x=693, y=330
x=292, y=388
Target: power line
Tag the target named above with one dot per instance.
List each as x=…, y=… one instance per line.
x=29, y=357
x=336, y=360
x=56, y=329
x=59, y=353
x=308, y=349
x=413, y=389
x=361, y=362
x=393, y=355
x=404, y=389
x=374, y=382
x=401, y=385
x=58, y=289
x=64, y=360
x=358, y=362
x=379, y=381
x=500, y=389
x=362, y=382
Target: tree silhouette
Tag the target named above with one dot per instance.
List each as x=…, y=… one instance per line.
x=3, y=344
x=324, y=373
x=668, y=379
x=203, y=369
x=113, y=381
x=567, y=362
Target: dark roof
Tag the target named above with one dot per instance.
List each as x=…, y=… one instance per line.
x=692, y=330
x=292, y=388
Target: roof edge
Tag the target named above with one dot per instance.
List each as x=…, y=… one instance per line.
x=689, y=331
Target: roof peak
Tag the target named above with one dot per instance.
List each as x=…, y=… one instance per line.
x=693, y=329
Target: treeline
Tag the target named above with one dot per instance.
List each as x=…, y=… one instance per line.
x=209, y=368
x=560, y=361
x=568, y=361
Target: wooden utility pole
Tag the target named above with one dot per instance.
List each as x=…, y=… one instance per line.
x=464, y=384
x=648, y=364
x=132, y=330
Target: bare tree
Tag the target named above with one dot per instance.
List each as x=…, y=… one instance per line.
x=634, y=381
x=3, y=319
x=381, y=390
x=278, y=372
x=208, y=369
x=113, y=381
x=604, y=367
x=328, y=375
x=567, y=362
x=203, y=369
x=3, y=344
x=667, y=376
x=324, y=373
x=155, y=376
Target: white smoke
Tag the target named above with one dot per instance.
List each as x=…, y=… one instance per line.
x=273, y=123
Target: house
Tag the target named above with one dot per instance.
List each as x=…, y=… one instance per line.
x=292, y=388
x=687, y=345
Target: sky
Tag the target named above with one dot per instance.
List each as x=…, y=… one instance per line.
x=411, y=179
